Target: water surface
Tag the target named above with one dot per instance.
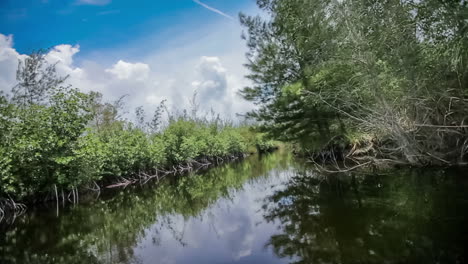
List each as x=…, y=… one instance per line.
x=269, y=209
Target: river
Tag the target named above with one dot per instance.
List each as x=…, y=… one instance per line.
x=264, y=209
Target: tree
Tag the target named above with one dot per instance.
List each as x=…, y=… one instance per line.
x=155, y=123
x=283, y=53
x=393, y=71
x=36, y=78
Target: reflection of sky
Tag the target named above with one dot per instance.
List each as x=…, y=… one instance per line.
x=230, y=231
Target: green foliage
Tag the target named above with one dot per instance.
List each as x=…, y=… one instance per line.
x=57, y=138
x=93, y=232
x=188, y=139
x=126, y=151
x=184, y=139
x=51, y=146
x=39, y=141
x=322, y=69
x=263, y=144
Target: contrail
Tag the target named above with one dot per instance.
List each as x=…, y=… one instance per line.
x=213, y=9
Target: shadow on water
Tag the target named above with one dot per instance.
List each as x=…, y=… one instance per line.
x=267, y=209
x=409, y=216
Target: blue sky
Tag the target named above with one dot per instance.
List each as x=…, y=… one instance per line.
x=104, y=24
x=149, y=49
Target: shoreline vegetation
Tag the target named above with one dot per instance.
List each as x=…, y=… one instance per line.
x=362, y=83
x=350, y=84
x=57, y=142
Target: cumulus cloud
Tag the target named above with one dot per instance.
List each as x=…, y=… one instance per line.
x=128, y=71
x=8, y=63
x=213, y=83
x=215, y=79
x=62, y=56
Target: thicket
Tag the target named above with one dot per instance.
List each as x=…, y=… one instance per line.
x=56, y=140
x=367, y=80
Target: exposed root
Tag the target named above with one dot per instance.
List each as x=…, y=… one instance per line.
x=341, y=170
x=187, y=167
x=424, y=131
x=10, y=210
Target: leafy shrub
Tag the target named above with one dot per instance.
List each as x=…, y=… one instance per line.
x=263, y=144
x=54, y=137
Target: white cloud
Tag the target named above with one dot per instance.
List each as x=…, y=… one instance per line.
x=213, y=83
x=8, y=63
x=130, y=71
x=63, y=54
x=210, y=65
x=5, y=42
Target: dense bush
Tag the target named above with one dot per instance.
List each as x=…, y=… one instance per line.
x=42, y=155
x=394, y=72
x=263, y=144
x=40, y=140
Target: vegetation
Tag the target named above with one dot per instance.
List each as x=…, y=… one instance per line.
x=105, y=231
x=377, y=80
x=372, y=82
x=395, y=216
x=56, y=140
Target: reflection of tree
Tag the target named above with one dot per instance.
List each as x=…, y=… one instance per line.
x=376, y=219
x=108, y=230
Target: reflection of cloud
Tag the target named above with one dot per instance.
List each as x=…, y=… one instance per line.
x=232, y=229
x=246, y=249
x=236, y=228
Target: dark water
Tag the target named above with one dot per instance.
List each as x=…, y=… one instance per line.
x=263, y=210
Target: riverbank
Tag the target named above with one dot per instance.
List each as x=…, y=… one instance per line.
x=11, y=209
x=114, y=155
x=126, y=156
x=255, y=210
x=347, y=153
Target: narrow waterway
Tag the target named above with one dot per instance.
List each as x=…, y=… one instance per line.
x=268, y=209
